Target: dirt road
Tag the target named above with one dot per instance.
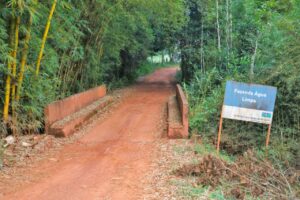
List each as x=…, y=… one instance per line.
x=112, y=160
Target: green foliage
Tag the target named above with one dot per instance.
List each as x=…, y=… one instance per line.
x=89, y=43
x=205, y=96
x=274, y=27
x=149, y=67
x=208, y=149
x=1, y=154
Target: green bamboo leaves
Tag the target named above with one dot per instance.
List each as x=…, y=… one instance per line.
x=57, y=48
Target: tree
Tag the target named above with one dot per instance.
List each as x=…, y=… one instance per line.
x=79, y=45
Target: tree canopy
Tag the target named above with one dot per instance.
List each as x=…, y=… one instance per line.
x=52, y=49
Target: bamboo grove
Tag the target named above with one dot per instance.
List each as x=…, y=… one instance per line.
x=52, y=49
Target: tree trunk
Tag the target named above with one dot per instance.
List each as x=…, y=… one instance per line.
x=24, y=58
x=253, y=60
x=9, y=68
x=230, y=28
x=14, y=65
x=227, y=32
x=202, y=47
x=218, y=25
x=38, y=63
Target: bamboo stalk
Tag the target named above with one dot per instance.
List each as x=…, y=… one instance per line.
x=253, y=58
x=230, y=26
x=218, y=25
x=24, y=58
x=38, y=63
x=202, y=46
x=227, y=32
x=14, y=65
x=8, y=79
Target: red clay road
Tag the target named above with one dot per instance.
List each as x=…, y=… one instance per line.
x=113, y=159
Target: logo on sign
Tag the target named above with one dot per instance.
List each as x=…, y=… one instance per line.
x=267, y=115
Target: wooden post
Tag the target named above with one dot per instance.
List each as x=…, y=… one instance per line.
x=268, y=139
x=220, y=131
x=268, y=136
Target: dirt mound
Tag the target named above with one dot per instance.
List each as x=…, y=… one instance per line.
x=247, y=175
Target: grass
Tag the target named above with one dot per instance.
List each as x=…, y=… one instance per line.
x=148, y=68
x=193, y=192
x=180, y=150
x=1, y=153
x=188, y=188
x=206, y=148
x=188, y=191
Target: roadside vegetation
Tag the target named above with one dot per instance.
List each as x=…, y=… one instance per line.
x=148, y=67
x=253, y=42
x=53, y=49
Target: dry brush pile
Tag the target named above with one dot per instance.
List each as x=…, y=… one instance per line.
x=248, y=175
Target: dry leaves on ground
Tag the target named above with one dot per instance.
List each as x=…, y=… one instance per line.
x=247, y=175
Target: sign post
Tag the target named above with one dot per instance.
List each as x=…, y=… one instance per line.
x=268, y=136
x=220, y=132
x=248, y=102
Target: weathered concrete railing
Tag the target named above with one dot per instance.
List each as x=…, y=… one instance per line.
x=178, y=125
x=64, y=116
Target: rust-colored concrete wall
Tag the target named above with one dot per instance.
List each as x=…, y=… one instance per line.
x=184, y=109
x=60, y=109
